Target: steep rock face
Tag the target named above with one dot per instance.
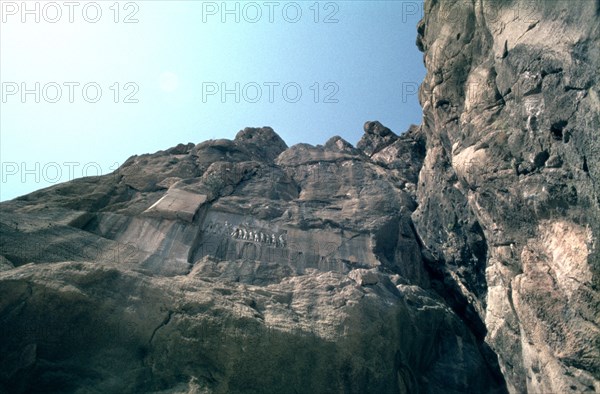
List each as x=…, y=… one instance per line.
x=509, y=193
x=233, y=266
x=460, y=256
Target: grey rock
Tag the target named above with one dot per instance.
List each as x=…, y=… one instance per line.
x=251, y=263
x=459, y=256
x=376, y=137
x=364, y=277
x=508, y=199
x=261, y=141
x=177, y=204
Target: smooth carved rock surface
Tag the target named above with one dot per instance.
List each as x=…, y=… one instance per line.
x=460, y=256
x=177, y=204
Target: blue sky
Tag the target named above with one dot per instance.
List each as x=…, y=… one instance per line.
x=308, y=69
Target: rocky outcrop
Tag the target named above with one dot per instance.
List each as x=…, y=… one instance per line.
x=460, y=256
x=509, y=191
x=233, y=266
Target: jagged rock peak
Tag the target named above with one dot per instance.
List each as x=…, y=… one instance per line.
x=181, y=149
x=265, y=138
x=337, y=143
x=376, y=128
x=376, y=137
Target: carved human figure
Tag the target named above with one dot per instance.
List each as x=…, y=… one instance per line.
x=262, y=237
x=273, y=240
x=256, y=237
x=281, y=240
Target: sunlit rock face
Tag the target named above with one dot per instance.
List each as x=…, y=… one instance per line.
x=460, y=256
x=233, y=266
x=509, y=192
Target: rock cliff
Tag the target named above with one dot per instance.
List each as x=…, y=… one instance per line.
x=459, y=256
x=233, y=266
x=509, y=192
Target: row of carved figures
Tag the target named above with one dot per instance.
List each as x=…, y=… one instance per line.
x=258, y=236
x=248, y=235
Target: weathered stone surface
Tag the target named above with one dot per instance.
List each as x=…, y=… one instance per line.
x=319, y=332
x=376, y=137
x=305, y=263
x=460, y=256
x=508, y=193
x=263, y=142
x=5, y=264
x=177, y=204
x=364, y=277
